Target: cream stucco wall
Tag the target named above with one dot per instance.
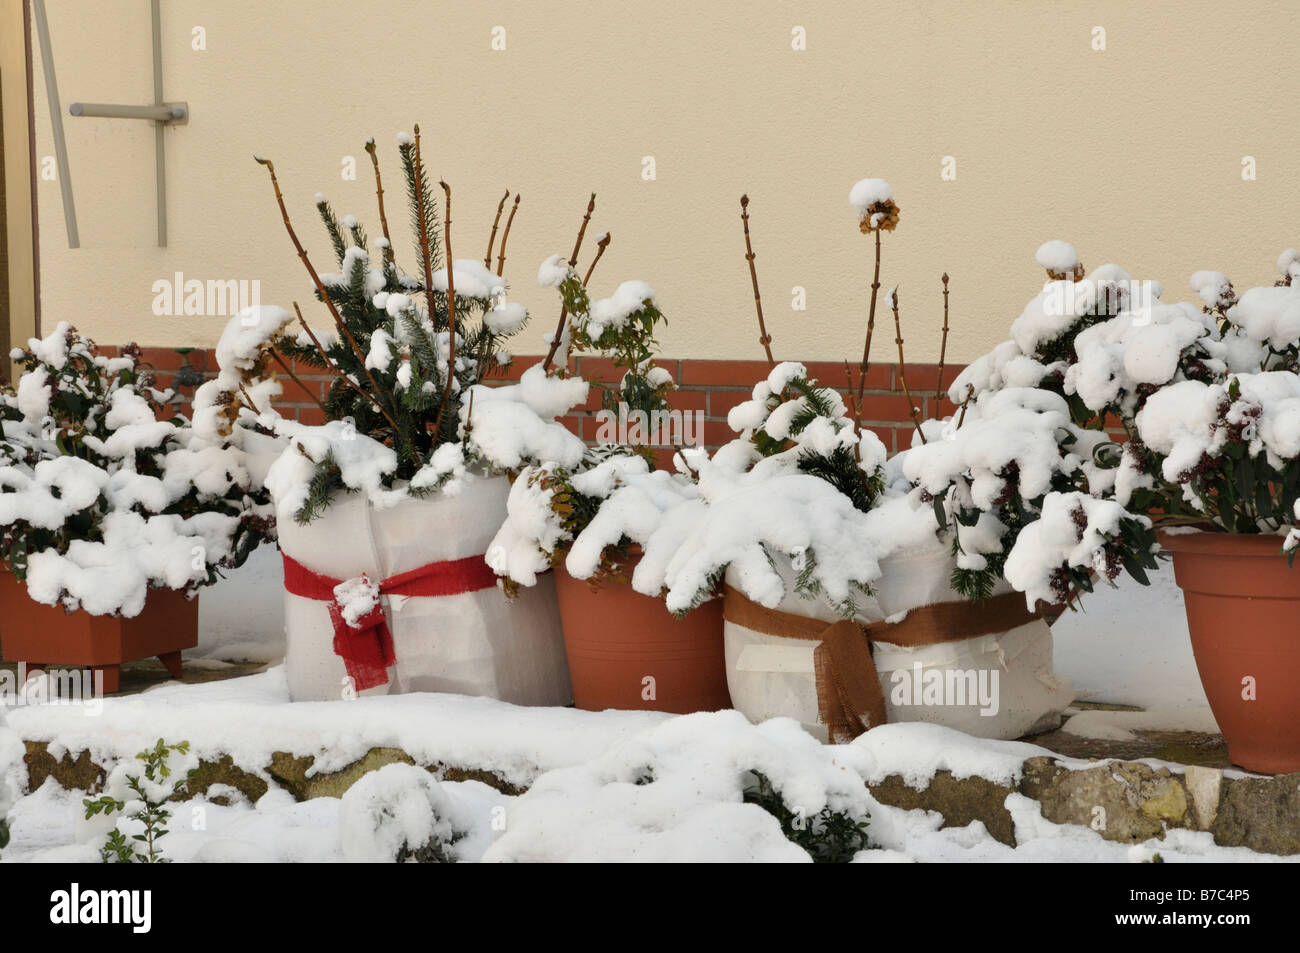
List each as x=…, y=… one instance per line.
x=1133, y=154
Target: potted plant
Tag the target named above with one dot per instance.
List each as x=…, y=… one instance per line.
x=112, y=516
x=1209, y=400
x=587, y=521
x=845, y=603
x=387, y=509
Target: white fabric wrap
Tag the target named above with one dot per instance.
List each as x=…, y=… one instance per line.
x=472, y=643
x=769, y=676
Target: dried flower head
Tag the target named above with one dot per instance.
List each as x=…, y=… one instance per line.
x=874, y=201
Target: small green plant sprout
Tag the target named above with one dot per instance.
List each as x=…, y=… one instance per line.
x=621, y=328
x=140, y=792
x=829, y=836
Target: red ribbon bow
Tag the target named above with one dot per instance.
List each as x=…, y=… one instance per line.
x=367, y=647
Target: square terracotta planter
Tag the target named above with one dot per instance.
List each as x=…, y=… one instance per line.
x=45, y=636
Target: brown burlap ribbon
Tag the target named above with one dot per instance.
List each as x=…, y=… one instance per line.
x=849, y=697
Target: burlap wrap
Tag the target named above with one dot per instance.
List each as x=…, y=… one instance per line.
x=849, y=696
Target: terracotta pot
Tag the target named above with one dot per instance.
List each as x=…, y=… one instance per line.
x=616, y=638
x=1243, y=603
x=45, y=636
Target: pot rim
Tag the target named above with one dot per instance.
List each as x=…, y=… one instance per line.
x=1222, y=544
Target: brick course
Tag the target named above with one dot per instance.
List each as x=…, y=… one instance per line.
x=710, y=386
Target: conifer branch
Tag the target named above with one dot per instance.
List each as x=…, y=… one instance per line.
x=764, y=338
x=573, y=263
x=423, y=224
x=510, y=220
x=379, y=195
x=487, y=259
x=338, y=371
x=451, y=303
x=943, y=346
x=902, y=378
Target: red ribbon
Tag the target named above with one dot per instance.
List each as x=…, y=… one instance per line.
x=367, y=647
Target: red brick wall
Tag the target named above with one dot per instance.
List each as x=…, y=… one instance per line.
x=713, y=387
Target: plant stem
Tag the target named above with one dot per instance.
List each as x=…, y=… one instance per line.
x=338, y=371
x=379, y=195
x=970, y=392
x=294, y=377
x=324, y=294
x=871, y=325
x=510, y=220
x=943, y=346
x=764, y=338
x=600, y=250
x=902, y=378
x=573, y=263
x=487, y=259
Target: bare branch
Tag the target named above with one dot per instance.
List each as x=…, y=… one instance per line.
x=764, y=338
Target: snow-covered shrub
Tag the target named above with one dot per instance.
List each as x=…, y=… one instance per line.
x=706, y=787
x=1208, y=396
x=101, y=498
x=590, y=514
x=401, y=814
x=406, y=354
x=989, y=475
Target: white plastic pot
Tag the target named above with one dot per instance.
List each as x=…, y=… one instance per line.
x=470, y=643
x=771, y=676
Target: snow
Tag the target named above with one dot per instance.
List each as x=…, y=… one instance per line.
x=472, y=280
x=251, y=330
x=1057, y=257
x=553, y=271
x=513, y=425
x=1212, y=287
x=357, y=598
x=868, y=192
x=629, y=298
x=1072, y=530
x=1269, y=315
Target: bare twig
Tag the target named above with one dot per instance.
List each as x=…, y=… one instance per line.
x=943, y=345
x=344, y=333
x=510, y=220
x=487, y=259
x=871, y=325
x=294, y=377
x=970, y=392
x=249, y=400
x=338, y=371
x=600, y=250
x=573, y=263
x=680, y=453
x=764, y=338
x=902, y=379
x=379, y=195
x=853, y=413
